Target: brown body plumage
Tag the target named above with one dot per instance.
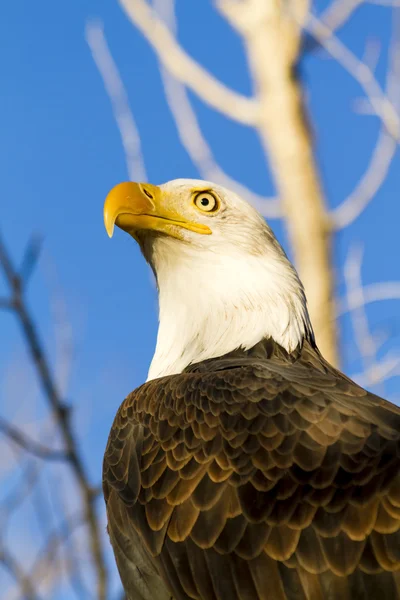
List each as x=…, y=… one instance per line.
x=257, y=476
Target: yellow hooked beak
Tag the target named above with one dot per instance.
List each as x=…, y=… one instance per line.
x=137, y=206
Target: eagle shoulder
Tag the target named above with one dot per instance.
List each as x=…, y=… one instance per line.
x=255, y=475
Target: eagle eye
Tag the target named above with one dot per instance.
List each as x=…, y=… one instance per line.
x=206, y=202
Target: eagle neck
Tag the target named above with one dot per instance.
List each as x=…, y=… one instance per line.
x=207, y=310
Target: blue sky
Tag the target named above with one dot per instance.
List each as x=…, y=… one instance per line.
x=60, y=153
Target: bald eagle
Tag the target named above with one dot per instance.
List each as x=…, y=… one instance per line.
x=246, y=467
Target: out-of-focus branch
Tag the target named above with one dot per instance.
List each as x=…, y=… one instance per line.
x=384, y=149
x=25, y=584
x=73, y=563
x=63, y=337
x=374, y=292
x=186, y=69
x=273, y=29
x=191, y=135
x=30, y=258
x=32, y=446
x=357, y=297
x=374, y=371
x=380, y=371
x=388, y=3
x=360, y=71
x=45, y=517
x=119, y=100
x=43, y=565
x=352, y=207
x=19, y=493
x=338, y=13
x=334, y=17
x=364, y=340
x=58, y=536
x=60, y=411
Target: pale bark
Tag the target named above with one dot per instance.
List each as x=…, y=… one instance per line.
x=272, y=40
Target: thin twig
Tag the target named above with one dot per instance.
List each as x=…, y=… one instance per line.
x=374, y=370
x=191, y=136
x=41, y=503
x=353, y=206
x=380, y=371
x=362, y=336
x=387, y=3
x=334, y=17
x=61, y=413
x=119, y=100
x=30, y=445
x=73, y=560
x=18, y=494
x=186, y=69
x=24, y=582
x=373, y=292
x=58, y=536
x=384, y=150
x=360, y=72
x=30, y=259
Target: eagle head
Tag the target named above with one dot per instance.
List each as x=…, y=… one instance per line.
x=224, y=281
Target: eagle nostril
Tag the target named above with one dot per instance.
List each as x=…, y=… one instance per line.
x=148, y=194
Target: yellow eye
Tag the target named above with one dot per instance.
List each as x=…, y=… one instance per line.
x=206, y=201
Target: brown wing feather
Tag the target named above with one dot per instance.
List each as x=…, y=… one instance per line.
x=258, y=479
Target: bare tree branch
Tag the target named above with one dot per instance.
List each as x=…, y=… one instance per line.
x=60, y=534
x=374, y=371
x=24, y=582
x=18, y=494
x=334, y=17
x=31, y=446
x=373, y=292
x=387, y=3
x=62, y=336
x=191, y=135
x=56, y=538
x=380, y=371
x=363, y=338
x=61, y=413
x=30, y=258
x=338, y=13
x=273, y=29
x=360, y=71
x=119, y=100
x=384, y=150
x=186, y=69
x=71, y=550
x=45, y=517
x=353, y=206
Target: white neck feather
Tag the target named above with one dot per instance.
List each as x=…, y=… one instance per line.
x=210, y=305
